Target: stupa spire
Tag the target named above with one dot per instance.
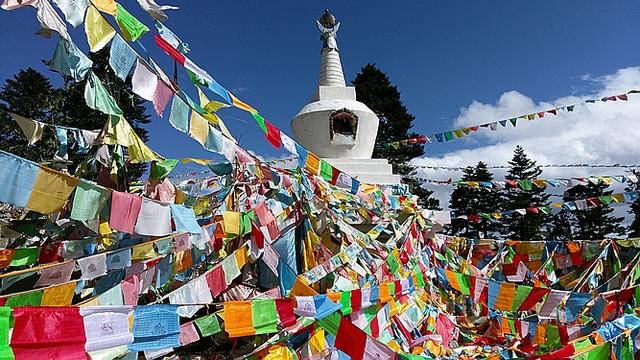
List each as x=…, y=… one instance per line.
x=330, y=65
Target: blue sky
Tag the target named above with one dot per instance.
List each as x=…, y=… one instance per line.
x=442, y=55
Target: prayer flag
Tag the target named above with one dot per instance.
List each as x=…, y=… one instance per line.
x=144, y=81
x=99, y=31
x=273, y=135
x=50, y=191
x=69, y=60
x=97, y=97
x=264, y=316
x=49, y=333
x=179, y=116
x=106, y=326
x=73, y=10
x=124, y=211
x=350, y=339
x=185, y=219
x=121, y=57
x=154, y=218
x=131, y=27
x=238, y=319
x=88, y=201
x=155, y=327
x=208, y=325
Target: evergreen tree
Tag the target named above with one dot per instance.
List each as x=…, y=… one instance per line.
x=374, y=89
x=560, y=227
x=529, y=226
x=467, y=200
x=30, y=94
x=634, y=228
x=595, y=222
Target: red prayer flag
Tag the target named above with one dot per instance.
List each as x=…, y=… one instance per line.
x=623, y=97
x=48, y=333
x=215, y=280
x=170, y=50
x=285, y=312
x=257, y=235
x=273, y=135
x=553, y=111
x=534, y=296
x=350, y=339
x=356, y=300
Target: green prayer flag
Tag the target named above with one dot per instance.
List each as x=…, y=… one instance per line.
x=208, y=325
x=525, y=185
x=5, y=324
x=602, y=351
x=513, y=121
x=245, y=223
x=88, y=200
x=553, y=336
x=448, y=136
x=97, y=97
x=162, y=169
x=522, y=291
x=393, y=263
x=420, y=278
x=264, y=315
x=24, y=256
x=465, y=283
x=606, y=199
x=33, y=298
x=260, y=120
x=392, y=289
x=331, y=323
x=345, y=302
x=627, y=349
x=326, y=170
x=132, y=28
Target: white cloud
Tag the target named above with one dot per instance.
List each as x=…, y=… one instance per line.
x=600, y=133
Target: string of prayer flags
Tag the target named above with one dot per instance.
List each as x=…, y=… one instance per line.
x=493, y=126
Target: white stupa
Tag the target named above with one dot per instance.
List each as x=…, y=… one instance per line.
x=334, y=125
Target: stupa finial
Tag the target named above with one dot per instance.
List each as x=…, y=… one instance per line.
x=330, y=64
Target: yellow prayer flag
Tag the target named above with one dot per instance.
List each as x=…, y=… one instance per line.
x=313, y=163
x=118, y=131
x=317, y=342
x=59, y=295
x=50, y=191
x=231, y=222
x=198, y=127
x=278, y=352
x=107, y=6
x=99, y=31
x=540, y=183
x=143, y=252
x=183, y=261
x=618, y=198
x=505, y=296
x=241, y=257
x=241, y=105
x=103, y=228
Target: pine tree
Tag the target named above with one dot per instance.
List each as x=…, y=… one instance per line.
x=560, y=227
x=29, y=93
x=595, y=222
x=531, y=225
x=374, y=89
x=466, y=200
x=634, y=228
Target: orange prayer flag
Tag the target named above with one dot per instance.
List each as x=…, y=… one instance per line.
x=241, y=105
x=237, y=319
x=313, y=163
x=505, y=296
x=301, y=289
